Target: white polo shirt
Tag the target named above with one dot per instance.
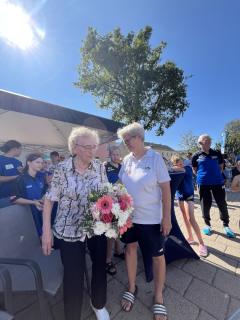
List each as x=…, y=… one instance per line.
x=142, y=177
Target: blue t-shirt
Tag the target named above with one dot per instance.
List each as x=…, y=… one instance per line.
x=8, y=167
x=208, y=170
x=31, y=188
x=112, y=172
x=185, y=189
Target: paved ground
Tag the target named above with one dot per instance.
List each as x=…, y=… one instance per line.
x=208, y=289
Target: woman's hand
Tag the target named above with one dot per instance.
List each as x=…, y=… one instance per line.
x=38, y=204
x=166, y=226
x=47, y=241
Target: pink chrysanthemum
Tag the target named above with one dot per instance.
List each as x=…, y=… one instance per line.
x=104, y=204
x=125, y=201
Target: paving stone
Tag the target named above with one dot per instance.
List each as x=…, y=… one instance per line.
x=228, y=283
x=178, y=279
x=179, y=263
x=233, y=252
x=145, y=290
x=114, y=295
x=233, y=307
x=205, y=316
x=139, y=311
x=222, y=261
x=178, y=307
x=208, y=298
x=229, y=242
x=200, y=269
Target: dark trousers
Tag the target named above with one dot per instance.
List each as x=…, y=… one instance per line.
x=73, y=259
x=219, y=195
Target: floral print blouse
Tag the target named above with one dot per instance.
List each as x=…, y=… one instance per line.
x=71, y=189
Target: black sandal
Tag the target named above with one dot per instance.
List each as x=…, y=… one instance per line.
x=110, y=268
x=129, y=297
x=159, y=309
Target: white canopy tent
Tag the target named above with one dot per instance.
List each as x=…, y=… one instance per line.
x=46, y=126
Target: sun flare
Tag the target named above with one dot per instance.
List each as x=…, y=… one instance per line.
x=17, y=28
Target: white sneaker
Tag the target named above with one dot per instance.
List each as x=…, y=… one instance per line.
x=101, y=314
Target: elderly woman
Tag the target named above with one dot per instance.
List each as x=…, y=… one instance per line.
x=72, y=182
x=146, y=178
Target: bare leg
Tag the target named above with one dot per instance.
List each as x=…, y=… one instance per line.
x=189, y=210
x=159, y=271
x=131, y=265
x=186, y=220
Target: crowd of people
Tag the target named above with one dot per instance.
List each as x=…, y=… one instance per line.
x=58, y=194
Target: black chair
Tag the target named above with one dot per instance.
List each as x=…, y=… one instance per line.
x=6, y=283
x=21, y=254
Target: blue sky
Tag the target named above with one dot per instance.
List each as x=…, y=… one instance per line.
x=203, y=38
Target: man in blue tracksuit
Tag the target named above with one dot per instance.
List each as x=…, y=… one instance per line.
x=208, y=165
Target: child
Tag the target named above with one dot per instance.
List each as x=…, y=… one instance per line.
x=185, y=196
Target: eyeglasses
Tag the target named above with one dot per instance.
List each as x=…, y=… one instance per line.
x=87, y=147
x=126, y=141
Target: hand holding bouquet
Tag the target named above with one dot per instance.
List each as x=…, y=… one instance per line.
x=109, y=211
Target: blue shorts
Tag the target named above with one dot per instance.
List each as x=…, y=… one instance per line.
x=148, y=236
x=183, y=197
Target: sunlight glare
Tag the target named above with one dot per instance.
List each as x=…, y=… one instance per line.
x=17, y=28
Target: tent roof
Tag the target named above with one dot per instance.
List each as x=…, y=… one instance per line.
x=36, y=122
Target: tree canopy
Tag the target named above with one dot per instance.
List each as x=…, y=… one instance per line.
x=232, y=144
x=189, y=142
x=125, y=75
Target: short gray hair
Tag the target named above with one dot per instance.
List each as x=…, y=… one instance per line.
x=80, y=132
x=203, y=136
x=111, y=149
x=133, y=129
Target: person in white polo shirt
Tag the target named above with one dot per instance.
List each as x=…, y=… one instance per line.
x=146, y=178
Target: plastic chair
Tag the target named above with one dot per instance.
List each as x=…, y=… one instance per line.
x=21, y=254
x=7, y=295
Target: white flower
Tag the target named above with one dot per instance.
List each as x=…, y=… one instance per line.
x=116, y=211
x=99, y=228
x=96, y=214
x=122, y=219
x=111, y=233
x=107, y=186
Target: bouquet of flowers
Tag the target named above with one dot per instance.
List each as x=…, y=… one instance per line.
x=109, y=211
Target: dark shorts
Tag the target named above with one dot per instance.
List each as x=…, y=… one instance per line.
x=183, y=197
x=148, y=236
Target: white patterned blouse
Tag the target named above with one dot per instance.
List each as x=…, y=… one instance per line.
x=71, y=189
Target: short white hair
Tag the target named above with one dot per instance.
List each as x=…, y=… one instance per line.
x=204, y=136
x=80, y=132
x=111, y=149
x=133, y=129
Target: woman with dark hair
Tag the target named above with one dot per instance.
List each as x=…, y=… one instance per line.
x=10, y=167
x=30, y=188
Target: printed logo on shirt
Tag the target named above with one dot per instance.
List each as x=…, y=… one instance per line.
x=29, y=186
x=201, y=158
x=9, y=166
x=214, y=157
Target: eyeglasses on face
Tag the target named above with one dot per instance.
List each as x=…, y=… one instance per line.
x=126, y=141
x=87, y=146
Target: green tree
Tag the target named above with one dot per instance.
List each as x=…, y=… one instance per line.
x=126, y=76
x=232, y=143
x=218, y=146
x=189, y=142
